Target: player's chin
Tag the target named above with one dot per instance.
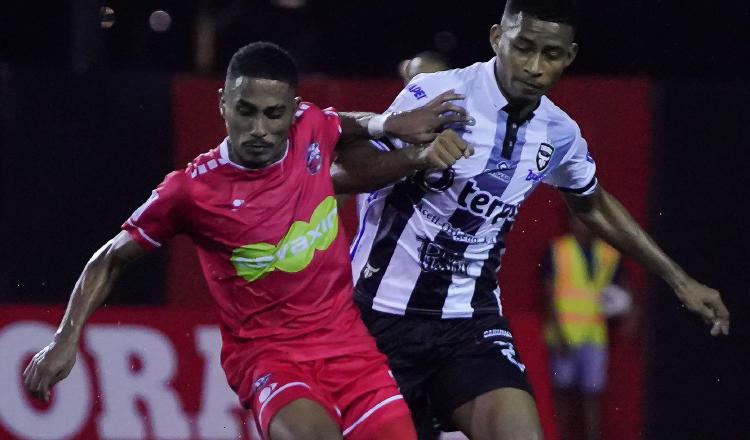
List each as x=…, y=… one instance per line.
x=529, y=94
x=255, y=159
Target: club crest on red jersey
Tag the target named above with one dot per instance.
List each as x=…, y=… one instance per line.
x=314, y=158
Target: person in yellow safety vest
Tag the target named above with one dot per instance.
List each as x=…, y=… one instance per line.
x=579, y=274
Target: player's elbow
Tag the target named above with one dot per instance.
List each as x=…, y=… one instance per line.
x=114, y=254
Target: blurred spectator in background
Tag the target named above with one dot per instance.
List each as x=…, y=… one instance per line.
x=427, y=61
x=584, y=284
x=223, y=26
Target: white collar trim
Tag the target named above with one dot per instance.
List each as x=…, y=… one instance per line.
x=224, y=154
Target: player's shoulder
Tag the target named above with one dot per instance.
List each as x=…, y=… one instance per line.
x=313, y=124
x=310, y=113
x=554, y=114
x=562, y=239
x=429, y=85
x=204, y=164
x=560, y=124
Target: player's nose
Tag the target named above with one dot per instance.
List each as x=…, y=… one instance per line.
x=257, y=130
x=533, y=66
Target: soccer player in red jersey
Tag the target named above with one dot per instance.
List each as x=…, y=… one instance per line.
x=260, y=208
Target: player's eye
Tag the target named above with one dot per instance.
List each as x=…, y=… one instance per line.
x=554, y=54
x=275, y=113
x=244, y=110
x=522, y=48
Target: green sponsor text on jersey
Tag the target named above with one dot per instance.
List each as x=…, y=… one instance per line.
x=295, y=251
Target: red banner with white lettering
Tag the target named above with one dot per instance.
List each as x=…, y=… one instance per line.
x=141, y=374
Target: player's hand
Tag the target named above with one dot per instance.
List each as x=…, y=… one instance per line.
x=423, y=124
x=707, y=303
x=441, y=153
x=51, y=365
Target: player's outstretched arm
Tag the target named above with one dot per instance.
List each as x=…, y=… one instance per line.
x=54, y=362
x=417, y=126
x=608, y=218
x=360, y=167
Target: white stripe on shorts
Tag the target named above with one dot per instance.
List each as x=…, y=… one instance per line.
x=372, y=410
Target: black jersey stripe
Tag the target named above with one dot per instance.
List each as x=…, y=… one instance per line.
x=398, y=209
x=483, y=300
x=431, y=287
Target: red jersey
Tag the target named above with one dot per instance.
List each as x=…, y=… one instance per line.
x=269, y=242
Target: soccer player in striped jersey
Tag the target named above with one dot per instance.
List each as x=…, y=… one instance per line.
x=261, y=212
x=430, y=243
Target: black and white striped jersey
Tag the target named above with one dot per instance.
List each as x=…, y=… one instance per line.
x=432, y=243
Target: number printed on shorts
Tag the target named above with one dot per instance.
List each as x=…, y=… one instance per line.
x=509, y=352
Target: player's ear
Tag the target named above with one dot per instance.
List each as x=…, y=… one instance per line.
x=221, y=101
x=403, y=69
x=495, y=33
x=572, y=53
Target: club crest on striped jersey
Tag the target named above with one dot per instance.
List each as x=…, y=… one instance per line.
x=369, y=271
x=314, y=158
x=544, y=155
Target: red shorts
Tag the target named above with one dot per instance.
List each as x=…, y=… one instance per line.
x=357, y=390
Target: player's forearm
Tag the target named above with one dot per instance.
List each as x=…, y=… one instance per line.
x=354, y=125
x=611, y=221
x=90, y=291
x=362, y=168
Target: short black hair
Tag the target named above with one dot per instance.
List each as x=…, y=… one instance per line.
x=262, y=59
x=556, y=11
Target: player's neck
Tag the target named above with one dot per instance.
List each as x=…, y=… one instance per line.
x=519, y=109
x=234, y=158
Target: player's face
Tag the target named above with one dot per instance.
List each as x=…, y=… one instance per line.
x=533, y=55
x=257, y=113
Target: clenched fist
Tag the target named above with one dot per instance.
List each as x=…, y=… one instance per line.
x=441, y=153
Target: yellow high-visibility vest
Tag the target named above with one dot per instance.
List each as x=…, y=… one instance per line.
x=577, y=293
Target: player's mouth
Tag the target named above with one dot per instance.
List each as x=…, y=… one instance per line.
x=256, y=147
x=534, y=87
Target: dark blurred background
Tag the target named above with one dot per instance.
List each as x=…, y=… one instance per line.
x=87, y=129
x=660, y=38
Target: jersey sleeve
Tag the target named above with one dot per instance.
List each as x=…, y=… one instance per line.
x=161, y=216
x=576, y=173
x=322, y=126
x=330, y=130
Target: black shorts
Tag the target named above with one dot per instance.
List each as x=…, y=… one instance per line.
x=440, y=364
